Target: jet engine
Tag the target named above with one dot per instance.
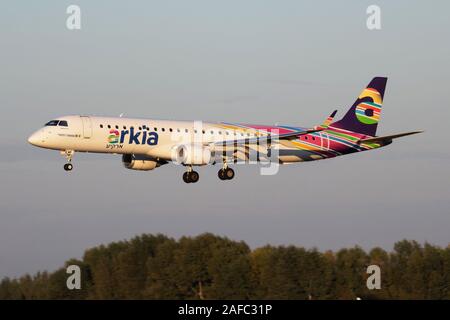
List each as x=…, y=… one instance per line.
x=139, y=162
x=193, y=154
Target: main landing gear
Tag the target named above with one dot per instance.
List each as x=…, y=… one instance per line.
x=190, y=176
x=69, y=155
x=226, y=173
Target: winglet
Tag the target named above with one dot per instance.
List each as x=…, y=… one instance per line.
x=327, y=121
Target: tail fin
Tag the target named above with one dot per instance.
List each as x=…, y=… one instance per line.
x=364, y=114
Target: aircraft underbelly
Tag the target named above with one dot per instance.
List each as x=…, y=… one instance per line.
x=288, y=155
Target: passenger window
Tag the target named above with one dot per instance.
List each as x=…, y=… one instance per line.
x=101, y=126
x=163, y=129
x=117, y=127
x=52, y=123
x=155, y=128
x=109, y=126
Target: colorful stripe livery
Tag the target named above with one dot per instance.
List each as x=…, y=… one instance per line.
x=327, y=143
x=333, y=139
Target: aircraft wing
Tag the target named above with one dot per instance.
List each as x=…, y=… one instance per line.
x=272, y=137
x=267, y=138
x=387, y=139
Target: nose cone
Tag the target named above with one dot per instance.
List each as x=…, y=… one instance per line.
x=36, y=139
x=33, y=139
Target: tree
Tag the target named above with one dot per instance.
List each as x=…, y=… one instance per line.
x=351, y=266
x=213, y=267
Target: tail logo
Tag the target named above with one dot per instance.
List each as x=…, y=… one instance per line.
x=369, y=112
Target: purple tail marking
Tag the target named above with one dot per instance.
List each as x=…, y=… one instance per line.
x=364, y=114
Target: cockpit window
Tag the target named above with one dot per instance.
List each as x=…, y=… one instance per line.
x=63, y=123
x=52, y=123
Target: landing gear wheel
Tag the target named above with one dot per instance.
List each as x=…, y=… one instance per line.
x=191, y=177
x=225, y=174
x=68, y=167
x=194, y=176
x=229, y=173
x=221, y=174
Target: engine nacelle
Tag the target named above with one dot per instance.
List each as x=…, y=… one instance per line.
x=139, y=162
x=192, y=154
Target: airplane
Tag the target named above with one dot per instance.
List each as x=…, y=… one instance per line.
x=146, y=144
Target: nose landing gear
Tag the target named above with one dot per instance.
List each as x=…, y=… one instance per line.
x=69, y=155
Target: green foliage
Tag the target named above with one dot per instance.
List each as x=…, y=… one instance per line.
x=212, y=267
x=197, y=268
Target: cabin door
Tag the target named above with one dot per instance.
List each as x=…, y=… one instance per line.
x=87, y=127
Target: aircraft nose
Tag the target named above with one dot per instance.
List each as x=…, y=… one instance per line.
x=35, y=139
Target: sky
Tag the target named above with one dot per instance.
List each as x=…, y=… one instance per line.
x=286, y=62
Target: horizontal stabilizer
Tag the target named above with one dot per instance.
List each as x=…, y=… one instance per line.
x=386, y=139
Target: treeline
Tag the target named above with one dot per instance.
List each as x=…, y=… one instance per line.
x=212, y=267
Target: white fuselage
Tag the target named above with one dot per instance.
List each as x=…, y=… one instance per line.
x=147, y=144
x=152, y=138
